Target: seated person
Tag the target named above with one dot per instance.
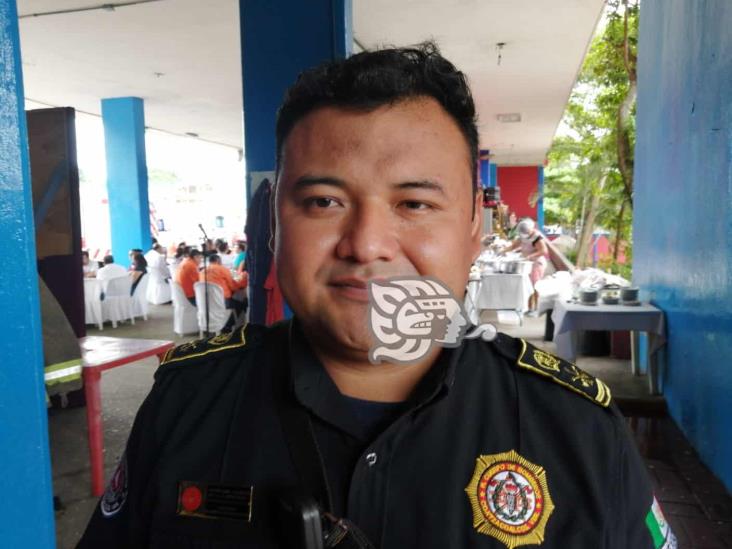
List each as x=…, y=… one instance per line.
x=216, y=273
x=227, y=258
x=90, y=267
x=241, y=256
x=131, y=254
x=187, y=273
x=137, y=270
x=110, y=269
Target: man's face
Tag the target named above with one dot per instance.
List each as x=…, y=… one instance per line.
x=371, y=195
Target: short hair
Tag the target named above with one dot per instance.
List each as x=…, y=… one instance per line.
x=214, y=258
x=242, y=244
x=84, y=253
x=193, y=252
x=371, y=79
x=108, y=259
x=134, y=251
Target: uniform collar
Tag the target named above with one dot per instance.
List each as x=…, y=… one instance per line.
x=315, y=389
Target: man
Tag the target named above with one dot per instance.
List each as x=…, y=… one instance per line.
x=216, y=273
x=187, y=273
x=110, y=269
x=487, y=445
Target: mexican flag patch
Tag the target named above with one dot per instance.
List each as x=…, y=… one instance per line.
x=663, y=537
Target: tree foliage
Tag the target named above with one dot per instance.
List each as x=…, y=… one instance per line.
x=589, y=178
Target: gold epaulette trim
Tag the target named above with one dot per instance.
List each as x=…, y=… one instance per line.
x=564, y=373
x=207, y=346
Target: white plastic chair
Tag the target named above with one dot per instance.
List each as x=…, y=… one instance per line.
x=185, y=316
x=158, y=289
x=93, y=302
x=139, y=297
x=117, y=304
x=218, y=314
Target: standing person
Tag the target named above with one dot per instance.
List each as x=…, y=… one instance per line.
x=187, y=274
x=512, y=228
x=533, y=248
x=489, y=444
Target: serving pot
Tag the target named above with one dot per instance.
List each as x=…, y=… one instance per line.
x=629, y=294
x=589, y=296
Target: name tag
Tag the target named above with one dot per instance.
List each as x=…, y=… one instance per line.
x=215, y=501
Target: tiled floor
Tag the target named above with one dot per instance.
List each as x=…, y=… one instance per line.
x=695, y=502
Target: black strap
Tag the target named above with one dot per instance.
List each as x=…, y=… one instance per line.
x=298, y=428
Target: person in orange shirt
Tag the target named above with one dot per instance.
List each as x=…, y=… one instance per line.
x=218, y=274
x=187, y=273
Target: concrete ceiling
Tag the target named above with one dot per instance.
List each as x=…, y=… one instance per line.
x=182, y=57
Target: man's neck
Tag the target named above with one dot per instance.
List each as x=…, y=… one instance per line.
x=385, y=382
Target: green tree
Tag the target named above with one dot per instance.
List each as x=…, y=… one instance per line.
x=589, y=180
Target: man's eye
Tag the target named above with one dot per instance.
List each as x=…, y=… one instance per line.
x=320, y=202
x=415, y=205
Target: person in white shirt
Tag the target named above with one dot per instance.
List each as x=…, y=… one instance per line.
x=110, y=269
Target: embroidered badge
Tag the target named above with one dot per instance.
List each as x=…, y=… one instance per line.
x=202, y=347
x=116, y=493
x=215, y=500
x=564, y=373
x=546, y=361
x=663, y=537
x=510, y=499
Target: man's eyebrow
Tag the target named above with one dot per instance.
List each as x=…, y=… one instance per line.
x=420, y=184
x=311, y=180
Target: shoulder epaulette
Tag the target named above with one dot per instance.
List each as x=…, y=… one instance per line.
x=199, y=348
x=564, y=373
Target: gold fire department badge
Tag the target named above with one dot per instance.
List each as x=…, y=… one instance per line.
x=510, y=499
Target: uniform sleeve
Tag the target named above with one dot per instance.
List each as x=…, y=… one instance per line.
x=640, y=521
x=121, y=517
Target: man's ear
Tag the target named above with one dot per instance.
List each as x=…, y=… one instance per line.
x=476, y=229
x=272, y=216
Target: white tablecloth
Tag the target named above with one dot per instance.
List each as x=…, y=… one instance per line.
x=500, y=292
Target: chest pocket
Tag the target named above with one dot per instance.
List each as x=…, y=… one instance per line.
x=203, y=533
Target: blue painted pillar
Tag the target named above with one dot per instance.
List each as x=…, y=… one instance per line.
x=484, y=168
x=280, y=39
x=540, y=201
x=493, y=174
x=124, y=141
x=26, y=508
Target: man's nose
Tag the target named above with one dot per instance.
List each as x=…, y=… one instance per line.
x=369, y=235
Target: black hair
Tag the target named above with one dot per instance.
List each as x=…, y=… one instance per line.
x=193, y=252
x=108, y=259
x=371, y=79
x=140, y=262
x=85, y=253
x=214, y=258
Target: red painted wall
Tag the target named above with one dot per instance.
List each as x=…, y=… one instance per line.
x=517, y=184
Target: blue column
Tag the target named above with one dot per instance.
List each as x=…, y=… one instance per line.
x=540, y=202
x=279, y=40
x=124, y=141
x=26, y=508
x=484, y=169
x=494, y=174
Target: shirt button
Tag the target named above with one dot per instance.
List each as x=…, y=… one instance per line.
x=371, y=459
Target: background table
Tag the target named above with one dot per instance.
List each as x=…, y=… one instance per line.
x=498, y=292
x=99, y=354
x=570, y=318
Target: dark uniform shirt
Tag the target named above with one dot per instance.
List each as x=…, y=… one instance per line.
x=500, y=445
